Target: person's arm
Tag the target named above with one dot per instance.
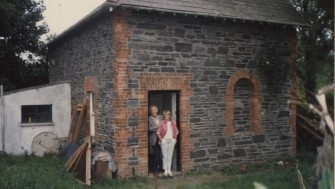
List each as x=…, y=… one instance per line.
x=152, y=125
x=159, y=137
x=159, y=130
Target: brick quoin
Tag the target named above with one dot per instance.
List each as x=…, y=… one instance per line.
x=121, y=35
x=255, y=103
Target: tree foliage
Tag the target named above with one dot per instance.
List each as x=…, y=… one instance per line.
x=316, y=51
x=316, y=70
x=22, y=59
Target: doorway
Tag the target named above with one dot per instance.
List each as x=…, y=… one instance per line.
x=167, y=100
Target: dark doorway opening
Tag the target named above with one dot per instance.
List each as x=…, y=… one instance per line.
x=167, y=100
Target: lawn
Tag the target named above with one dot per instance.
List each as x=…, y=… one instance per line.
x=31, y=172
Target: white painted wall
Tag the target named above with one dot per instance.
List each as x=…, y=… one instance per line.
x=18, y=138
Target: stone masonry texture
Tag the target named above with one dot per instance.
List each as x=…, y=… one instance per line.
x=228, y=114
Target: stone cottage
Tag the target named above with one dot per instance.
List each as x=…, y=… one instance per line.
x=203, y=60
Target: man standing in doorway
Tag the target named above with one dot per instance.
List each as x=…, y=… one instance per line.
x=155, y=149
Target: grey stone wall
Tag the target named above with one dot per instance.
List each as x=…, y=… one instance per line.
x=88, y=52
x=212, y=50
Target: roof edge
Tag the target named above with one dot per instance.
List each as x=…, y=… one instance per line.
x=115, y=3
x=37, y=87
x=210, y=15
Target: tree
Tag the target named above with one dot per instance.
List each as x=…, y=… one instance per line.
x=316, y=70
x=21, y=25
x=316, y=51
x=315, y=61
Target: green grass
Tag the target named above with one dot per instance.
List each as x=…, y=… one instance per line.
x=31, y=172
x=273, y=179
x=270, y=174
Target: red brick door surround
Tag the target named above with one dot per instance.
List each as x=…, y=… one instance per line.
x=151, y=82
x=255, y=103
x=168, y=81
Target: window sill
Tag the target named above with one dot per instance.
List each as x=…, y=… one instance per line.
x=37, y=124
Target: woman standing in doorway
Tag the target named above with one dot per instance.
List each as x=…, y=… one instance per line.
x=167, y=135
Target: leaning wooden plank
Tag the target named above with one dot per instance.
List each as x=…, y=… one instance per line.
x=81, y=168
x=76, y=122
x=73, y=158
x=80, y=119
x=71, y=133
x=77, y=157
x=82, y=152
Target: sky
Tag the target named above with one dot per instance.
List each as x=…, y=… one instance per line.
x=61, y=14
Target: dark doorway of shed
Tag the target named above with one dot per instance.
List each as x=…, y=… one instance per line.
x=167, y=100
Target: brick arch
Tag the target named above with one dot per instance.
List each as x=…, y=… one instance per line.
x=165, y=81
x=255, y=102
x=168, y=81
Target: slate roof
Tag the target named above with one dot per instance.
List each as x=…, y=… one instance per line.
x=272, y=11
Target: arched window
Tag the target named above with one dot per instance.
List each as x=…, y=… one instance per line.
x=243, y=104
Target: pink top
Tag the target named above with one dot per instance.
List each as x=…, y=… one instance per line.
x=163, y=128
